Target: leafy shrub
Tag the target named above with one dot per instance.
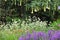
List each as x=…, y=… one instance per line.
x=14, y=8
x=56, y=24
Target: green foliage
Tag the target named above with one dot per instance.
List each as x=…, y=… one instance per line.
x=18, y=7
x=56, y=24
x=10, y=8
x=7, y=36
x=35, y=4
x=20, y=27
x=50, y=4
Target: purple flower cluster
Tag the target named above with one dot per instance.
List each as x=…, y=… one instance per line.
x=59, y=7
x=51, y=35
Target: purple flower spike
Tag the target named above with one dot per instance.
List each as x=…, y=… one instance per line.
x=42, y=35
x=56, y=36
x=21, y=38
x=34, y=35
x=28, y=36
x=50, y=34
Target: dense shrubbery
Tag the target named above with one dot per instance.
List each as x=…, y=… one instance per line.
x=20, y=16
x=18, y=8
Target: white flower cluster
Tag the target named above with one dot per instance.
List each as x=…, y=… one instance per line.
x=19, y=24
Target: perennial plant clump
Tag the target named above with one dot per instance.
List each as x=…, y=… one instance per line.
x=24, y=25
x=51, y=35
